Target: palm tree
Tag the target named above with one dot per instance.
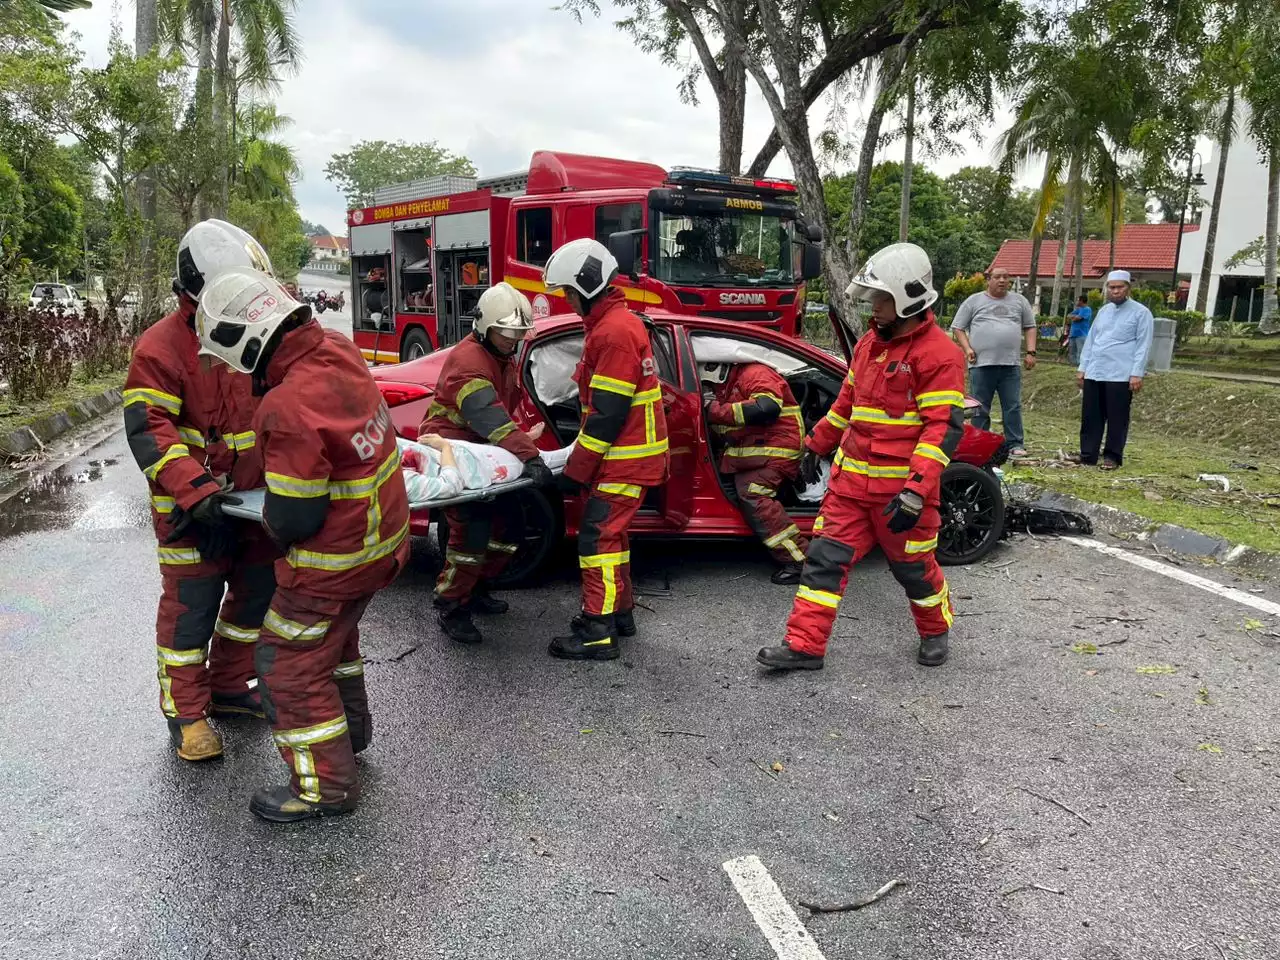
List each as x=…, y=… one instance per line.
x=1070, y=111
x=64, y=6
x=265, y=168
x=238, y=44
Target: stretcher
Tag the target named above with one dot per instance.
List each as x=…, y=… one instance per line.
x=251, y=507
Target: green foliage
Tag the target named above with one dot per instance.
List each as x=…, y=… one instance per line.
x=1187, y=323
x=955, y=244
x=35, y=350
x=277, y=226
x=1153, y=300
x=1251, y=255
x=960, y=287
x=370, y=164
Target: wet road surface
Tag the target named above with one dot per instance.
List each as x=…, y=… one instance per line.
x=515, y=806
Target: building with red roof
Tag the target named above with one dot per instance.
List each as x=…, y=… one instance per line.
x=1146, y=250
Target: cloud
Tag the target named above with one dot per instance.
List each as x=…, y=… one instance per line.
x=493, y=79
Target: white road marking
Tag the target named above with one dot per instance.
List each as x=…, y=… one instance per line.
x=773, y=915
x=1175, y=573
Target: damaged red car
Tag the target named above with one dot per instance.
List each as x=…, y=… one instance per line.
x=698, y=501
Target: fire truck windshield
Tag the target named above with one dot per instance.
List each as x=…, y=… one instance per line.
x=725, y=248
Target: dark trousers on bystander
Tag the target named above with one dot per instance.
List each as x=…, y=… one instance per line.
x=1106, y=405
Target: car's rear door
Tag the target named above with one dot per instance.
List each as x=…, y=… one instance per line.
x=681, y=403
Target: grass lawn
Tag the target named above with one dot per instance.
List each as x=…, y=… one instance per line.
x=13, y=416
x=1183, y=426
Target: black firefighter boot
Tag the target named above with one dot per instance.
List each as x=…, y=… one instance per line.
x=485, y=603
x=933, y=650
x=788, y=574
x=591, y=639
x=624, y=621
x=454, y=619
x=281, y=805
x=784, y=658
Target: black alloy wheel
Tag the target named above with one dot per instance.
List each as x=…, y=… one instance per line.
x=972, y=509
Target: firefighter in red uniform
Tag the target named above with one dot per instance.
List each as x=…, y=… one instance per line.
x=336, y=503
x=893, y=428
x=754, y=408
x=190, y=428
x=621, y=448
x=475, y=395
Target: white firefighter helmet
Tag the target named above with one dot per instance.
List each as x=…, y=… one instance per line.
x=901, y=270
x=713, y=372
x=240, y=309
x=211, y=247
x=504, y=308
x=585, y=265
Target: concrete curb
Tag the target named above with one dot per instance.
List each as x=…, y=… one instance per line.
x=1167, y=537
x=36, y=435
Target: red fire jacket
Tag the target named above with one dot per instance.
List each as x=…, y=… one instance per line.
x=898, y=418
x=475, y=395
x=188, y=422
x=623, y=437
x=755, y=408
x=335, y=494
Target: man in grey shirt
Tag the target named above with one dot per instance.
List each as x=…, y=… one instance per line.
x=992, y=328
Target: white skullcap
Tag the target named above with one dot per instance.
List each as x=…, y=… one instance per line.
x=1121, y=276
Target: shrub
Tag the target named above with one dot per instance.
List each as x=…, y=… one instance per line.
x=103, y=340
x=1188, y=323
x=1152, y=299
x=37, y=350
x=960, y=287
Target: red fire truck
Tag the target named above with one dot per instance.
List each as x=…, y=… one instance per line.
x=688, y=241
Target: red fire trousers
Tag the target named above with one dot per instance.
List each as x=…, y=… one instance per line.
x=846, y=531
x=312, y=680
x=477, y=550
x=758, y=497
x=208, y=621
x=604, y=549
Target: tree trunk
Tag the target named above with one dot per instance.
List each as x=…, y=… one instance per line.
x=145, y=29
x=204, y=84
x=1073, y=179
x=1037, y=240
x=733, y=112
x=1211, y=234
x=1115, y=222
x=909, y=135
x=891, y=69
x=1079, y=287
x=221, y=100
x=1270, y=322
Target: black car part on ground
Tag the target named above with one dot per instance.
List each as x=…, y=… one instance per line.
x=1021, y=516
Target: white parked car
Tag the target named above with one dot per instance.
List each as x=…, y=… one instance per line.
x=57, y=295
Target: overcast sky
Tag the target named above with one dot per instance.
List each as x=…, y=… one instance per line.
x=491, y=79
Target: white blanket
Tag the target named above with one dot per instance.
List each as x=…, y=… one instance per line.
x=480, y=466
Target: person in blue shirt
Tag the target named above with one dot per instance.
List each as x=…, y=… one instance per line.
x=1112, y=366
x=1081, y=319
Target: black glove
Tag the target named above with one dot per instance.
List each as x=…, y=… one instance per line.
x=903, y=511
x=215, y=541
x=810, y=468
x=207, y=524
x=538, y=471
x=209, y=510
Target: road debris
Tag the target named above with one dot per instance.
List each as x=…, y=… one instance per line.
x=682, y=733
x=1058, y=803
x=857, y=904
x=1033, y=886
x=764, y=769
x=1216, y=478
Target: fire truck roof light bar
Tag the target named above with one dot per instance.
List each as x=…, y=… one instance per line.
x=694, y=176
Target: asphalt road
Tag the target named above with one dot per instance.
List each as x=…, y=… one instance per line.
x=519, y=807
x=312, y=282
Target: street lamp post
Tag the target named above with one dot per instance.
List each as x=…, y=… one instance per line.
x=1197, y=180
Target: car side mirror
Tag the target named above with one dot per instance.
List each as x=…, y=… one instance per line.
x=811, y=261
x=624, y=246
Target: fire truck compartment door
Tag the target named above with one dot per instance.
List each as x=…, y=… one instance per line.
x=459, y=231
x=412, y=224
x=371, y=240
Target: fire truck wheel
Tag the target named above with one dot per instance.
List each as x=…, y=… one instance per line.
x=542, y=513
x=414, y=345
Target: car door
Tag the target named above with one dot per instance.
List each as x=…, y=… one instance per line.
x=682, y=407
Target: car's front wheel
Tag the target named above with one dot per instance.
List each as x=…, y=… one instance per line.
x=972, y=509
x=542, y=528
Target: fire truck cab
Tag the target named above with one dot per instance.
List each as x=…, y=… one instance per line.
x=688, y=241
